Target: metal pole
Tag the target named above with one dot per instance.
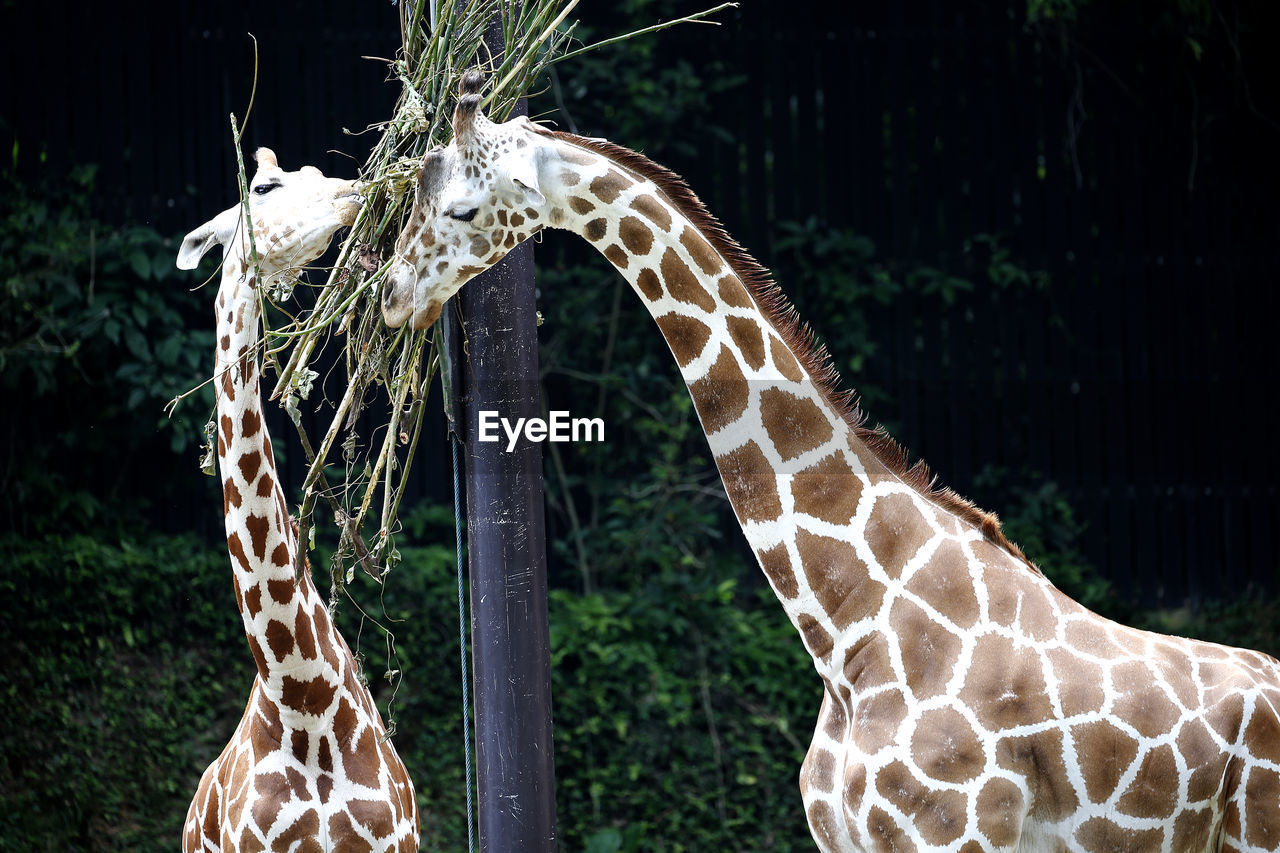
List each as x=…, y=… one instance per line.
x=493, y=355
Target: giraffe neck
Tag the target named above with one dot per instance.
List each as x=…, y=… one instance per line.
x=300, y=657
x=794, y=465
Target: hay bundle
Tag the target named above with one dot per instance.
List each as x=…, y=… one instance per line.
x=360, y=479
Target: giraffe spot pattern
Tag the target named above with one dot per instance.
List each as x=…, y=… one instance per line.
x=1039, y=756
x=1005, y=685
x=754, y=496
x=649, y=284
x=312, y=696
x=1104, y=753
x=827, y=490
x=945, y=747
x=816, y=638
x=895, y=532
x=635, y=235
x=929, y=650
x=1000, y=811
x=784, y=360
x=595, y=230
x=878, y=720
x=653, y=210
x=795, y=424
x=686, y=336
x=733, y=293
x=838, y=578
x=938, y=815
x=682, y=284
x=776, y=563
x=721, y=396
x=617, y=256
x=748, y=337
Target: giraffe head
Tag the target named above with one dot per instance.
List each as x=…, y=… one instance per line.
x=475, y=200
x=295, y=214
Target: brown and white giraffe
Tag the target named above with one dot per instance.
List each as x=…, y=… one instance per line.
x=969, y=705
x=309, y=767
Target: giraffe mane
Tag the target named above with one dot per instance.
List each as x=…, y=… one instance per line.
x=800, y=338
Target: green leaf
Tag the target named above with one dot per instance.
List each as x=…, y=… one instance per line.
x=140, y=264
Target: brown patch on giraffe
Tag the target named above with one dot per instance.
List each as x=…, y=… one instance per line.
x=308, y=697
x=479, y=247
x=1104, y=753
x=372, y=815
x=279, y=639
x=868, y=664
x=838, y=578
x=253, y=600
x=255, y=648
x=939, y=816
x=250, y=424
x=749, y=338
x=300, y=837
x=226, y=426
x=1192, y=828
x=281, y=590
x=1176, y=667
x=836, y=720
x=517, y=219
x=827, y=489
x=230, y=495
x=1224, y=714
x=878, y=719
x=320, y=617
x=777, y=567
x=823, y=824
x=1262, y=808
x=609, y=186
x=886, y=834
x=298, y=782
x=324, y=756
x=1079, y=682
x=720, y=396
x=784, y=361
x=947, y=586
x=929, y=650
x=237, y=550
x=1000, y=811
x=653, y=210
x=1262, y=734
x=266, y=731
x=280, y=556
x=305, y=638
x=272, y=792
x=635, y=235
x=342, y=831
x=795, y=424
x=617, y=256
x=1039, y=759
x=595, y=230
x=1103, y=835
x=945, y=747
x=682, y=284
x=816, y=638
x=345, y=721
x=733, y=293
x=249, y=841
x=700, y=250
x=820, y=770
x=581, y=206
x=1154, y=793
x=362, y=761
x=896, y=531
x=649, y=284
x=1005, y=685
x=1142, y=703
x=300, y=745
x=749, y=481
x=1014, y=598
x=258, y=526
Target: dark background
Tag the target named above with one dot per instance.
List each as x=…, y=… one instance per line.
x=1038, y=236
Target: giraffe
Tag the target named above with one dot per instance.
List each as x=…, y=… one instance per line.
x=967, y=704
x=309, y=768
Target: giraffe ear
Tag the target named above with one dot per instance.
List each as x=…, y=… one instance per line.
x=216, y=231
x=519, y=181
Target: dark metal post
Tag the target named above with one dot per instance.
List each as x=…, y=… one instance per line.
x=493, y=353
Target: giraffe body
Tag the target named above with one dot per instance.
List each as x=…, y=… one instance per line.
x=309, y=767
x=968, y=704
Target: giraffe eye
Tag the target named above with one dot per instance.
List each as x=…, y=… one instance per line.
x=263, y=189
x=465, y=216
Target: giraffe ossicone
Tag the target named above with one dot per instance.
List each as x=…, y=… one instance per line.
x=968, y=704
x=309, y=766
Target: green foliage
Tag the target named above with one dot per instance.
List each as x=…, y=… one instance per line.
x=96, y=332
x=125, y=668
